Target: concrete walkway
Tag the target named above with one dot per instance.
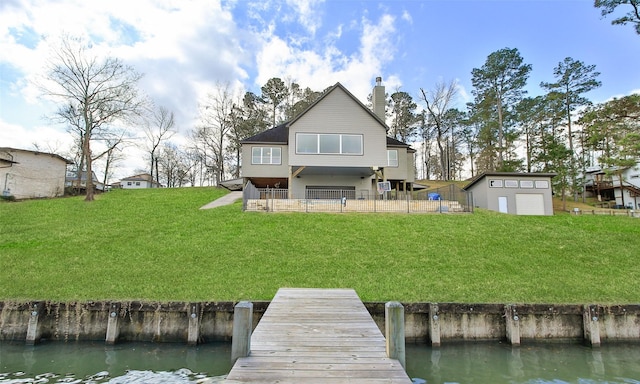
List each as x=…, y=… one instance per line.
x=227, y=199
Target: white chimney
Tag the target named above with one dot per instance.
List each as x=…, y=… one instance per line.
x=378, y=99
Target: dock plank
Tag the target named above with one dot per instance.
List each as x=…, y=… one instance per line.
x=317, y=336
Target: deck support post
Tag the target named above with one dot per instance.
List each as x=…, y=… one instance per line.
x=113, y=330
x=434, y=324
x=242, y=327
x=394, y=331
x=194, y=324
x=33, y=334
x=590, y=319
x=513, y=324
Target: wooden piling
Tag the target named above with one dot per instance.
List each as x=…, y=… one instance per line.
x=242, y=327
x=591, y=323
x=434, y=324
x=513, y=324
x=194, y=324
x=394, y=331
x=113, y=330
x=33, y=331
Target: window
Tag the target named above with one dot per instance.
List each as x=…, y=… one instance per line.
x=306, y=143
x=392, y=157
x=266, y=155
x=542, y=184
x=526, y=183
x=495, y=183
x=128, y=183
x=328, y=144
x=137, y=183
x=511, y=183
x=352, y=144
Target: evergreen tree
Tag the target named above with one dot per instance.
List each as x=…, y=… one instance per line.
x=498, y=87
x=573, y=79
x=403, y=116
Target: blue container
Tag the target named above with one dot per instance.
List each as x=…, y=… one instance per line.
x=433, y=196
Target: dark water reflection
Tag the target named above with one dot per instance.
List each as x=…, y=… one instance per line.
x=539, y=363
x=121, y=363
x=56, y=362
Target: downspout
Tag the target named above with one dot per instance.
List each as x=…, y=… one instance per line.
x=6, y=181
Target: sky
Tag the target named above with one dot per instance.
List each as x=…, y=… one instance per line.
x=184, y=48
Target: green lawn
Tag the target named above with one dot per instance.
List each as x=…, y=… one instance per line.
x=156, y=245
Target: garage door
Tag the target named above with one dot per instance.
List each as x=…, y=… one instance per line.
x=529, y=204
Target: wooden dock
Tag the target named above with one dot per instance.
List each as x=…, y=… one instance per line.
x=317, y=336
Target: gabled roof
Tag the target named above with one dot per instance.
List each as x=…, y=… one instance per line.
x=345, y=90
x=139, y=177
x=280, y=133
x=479, y=177
x=9, y=149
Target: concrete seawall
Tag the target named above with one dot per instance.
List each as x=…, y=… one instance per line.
x=433, y=323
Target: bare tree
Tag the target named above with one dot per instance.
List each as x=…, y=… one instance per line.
x=438, y=102
x=159, y=129
x=93, y=93
x=174, y=164
x=215, y=126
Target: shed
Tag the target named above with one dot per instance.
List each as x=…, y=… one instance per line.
x=513, y=192
x=26, y=174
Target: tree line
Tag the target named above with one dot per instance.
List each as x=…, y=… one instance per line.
x=502, y=129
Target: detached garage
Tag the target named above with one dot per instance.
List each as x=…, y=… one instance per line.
x=513, y=193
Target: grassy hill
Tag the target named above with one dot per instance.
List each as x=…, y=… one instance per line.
x=157, y=245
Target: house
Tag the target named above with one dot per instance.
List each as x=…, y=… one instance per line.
x=28, y=174
x=337, y=145
x=512, y=192
x=71, y=181
x=143, y=180
x=605, y=185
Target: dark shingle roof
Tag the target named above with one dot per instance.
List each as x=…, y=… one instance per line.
x=279, y=134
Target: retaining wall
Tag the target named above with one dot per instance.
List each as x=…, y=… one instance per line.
x=202, y=322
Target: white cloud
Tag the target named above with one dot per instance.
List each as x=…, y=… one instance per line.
x=320, y=68
x=308, y=13
x=406, y=16
x=44, y=136
x=184, y=48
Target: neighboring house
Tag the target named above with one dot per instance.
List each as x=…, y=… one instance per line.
x=605, y=185
x=143, y=180
x=71, y=181
x=512, y=192
x=335, y=144
x=28, y=174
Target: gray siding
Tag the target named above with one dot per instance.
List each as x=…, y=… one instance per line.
x=485, y=196
x=264, y=170
x=339, y=113
x=405, y=168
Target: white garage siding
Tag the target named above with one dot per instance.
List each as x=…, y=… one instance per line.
x=529, y=204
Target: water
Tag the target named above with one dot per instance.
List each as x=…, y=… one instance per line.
x=143, y=363
x=533, y=364
x=57, y=362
